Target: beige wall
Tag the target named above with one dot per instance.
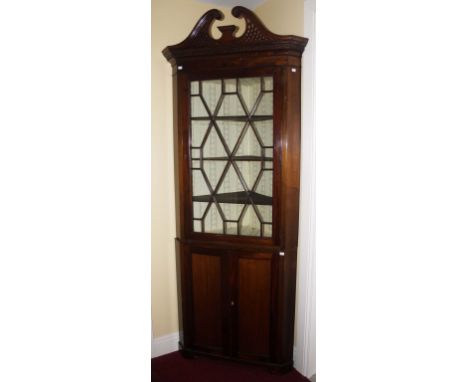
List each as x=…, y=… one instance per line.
x=283, y=16
x=172, y=21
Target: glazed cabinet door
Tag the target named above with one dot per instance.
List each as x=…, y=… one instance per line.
x=232, y=161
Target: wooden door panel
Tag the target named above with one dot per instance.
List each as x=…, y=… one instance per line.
x=254, y=306
x=207, y=302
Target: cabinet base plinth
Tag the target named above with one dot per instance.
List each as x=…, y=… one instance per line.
x=186, y=354
x=273, y=368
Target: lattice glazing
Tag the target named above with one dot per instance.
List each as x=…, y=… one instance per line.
x=232, y=156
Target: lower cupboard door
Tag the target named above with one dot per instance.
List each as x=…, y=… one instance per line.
x=254, y=285
x=207, y=302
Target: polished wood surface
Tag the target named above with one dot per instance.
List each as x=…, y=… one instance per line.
x=207, y=301
x=236, y=293
x=254, y=304
x=256, y=38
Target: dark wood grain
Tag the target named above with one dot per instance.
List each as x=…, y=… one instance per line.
x=207, y=301
x=237, y=198
x=254, y=303
x=256, y=38
x=235, y=118
x=216, y=270
x=248, y=158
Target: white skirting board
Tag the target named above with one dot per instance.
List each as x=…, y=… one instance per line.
x=164, y=344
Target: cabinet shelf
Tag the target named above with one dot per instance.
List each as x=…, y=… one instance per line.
x=248, y=158
x=242, y=118
x=241, y=197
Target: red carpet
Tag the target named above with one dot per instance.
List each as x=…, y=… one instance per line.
x=174, y=368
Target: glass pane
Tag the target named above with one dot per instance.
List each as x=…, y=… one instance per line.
x=213, y=221
x=231, y=106
x=213, y=171
x=211, y=91
x=230, y=85
x=265, y=131
x=195, y=153
x=199, y=129
x=268, y=83
x=199, y=209
x=250, y=146
x=267, y=230
x=231, y=228
x=198, y=109
x=269, y=153
x=232, y=211
x=250, y=225
x=231, y=131
x=231, y=182
x=197, y=226
x=249, y=91
x=250, y=171
x=194, y=88
x=213, y=147
x=266, y=105
x=265, y=186
x=266, y=212
x=199, y=186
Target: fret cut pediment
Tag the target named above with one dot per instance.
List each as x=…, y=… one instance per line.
x=255, y=38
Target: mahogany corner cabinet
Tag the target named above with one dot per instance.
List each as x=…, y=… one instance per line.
x=237, y=108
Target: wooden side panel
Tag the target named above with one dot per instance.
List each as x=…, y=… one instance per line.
x=206, y=288
x=290, y=186
x=254, y=306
